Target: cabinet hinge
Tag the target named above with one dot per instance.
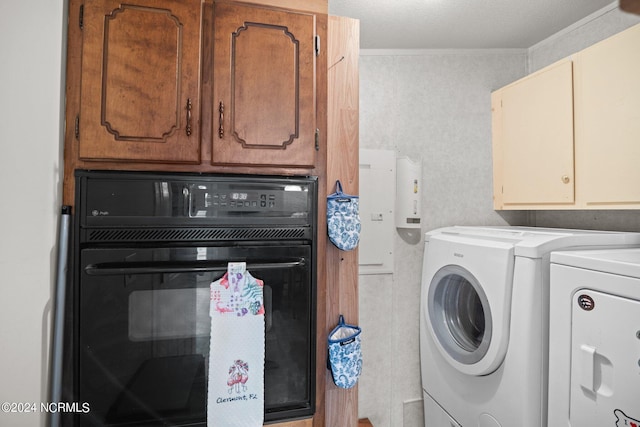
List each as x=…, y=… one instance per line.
x=81, y=17
x=317, y=45
x=317, y=139
x=76, y=129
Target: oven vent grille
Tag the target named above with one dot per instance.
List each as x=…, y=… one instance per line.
x=196, y=234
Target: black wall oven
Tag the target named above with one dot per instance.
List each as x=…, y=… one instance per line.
x=146, y=248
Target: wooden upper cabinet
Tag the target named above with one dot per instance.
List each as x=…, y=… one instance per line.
x=140, y=91
x=533, y=140
x=264, y=101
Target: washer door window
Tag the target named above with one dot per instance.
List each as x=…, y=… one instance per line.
x=459, y=314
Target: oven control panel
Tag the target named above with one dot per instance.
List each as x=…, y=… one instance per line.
x=182, y=199
x=234, y=200
x=221, y=200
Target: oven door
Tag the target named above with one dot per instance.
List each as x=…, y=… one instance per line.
x=143, y=331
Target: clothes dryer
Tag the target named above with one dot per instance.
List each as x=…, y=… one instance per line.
x=484, y=321
x=594, y=345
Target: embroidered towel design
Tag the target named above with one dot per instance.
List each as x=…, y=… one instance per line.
x=236, y=356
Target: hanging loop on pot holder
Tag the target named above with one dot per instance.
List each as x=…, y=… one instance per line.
x=345, y=354
x=343, y=219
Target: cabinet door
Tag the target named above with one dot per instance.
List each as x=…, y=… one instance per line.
x=263, y=87
x=608, y=121
x=140, y=81
x=534, y=141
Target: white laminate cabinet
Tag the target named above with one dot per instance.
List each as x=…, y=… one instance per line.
x=533, y=139
x=568, y=136
x=607, y=104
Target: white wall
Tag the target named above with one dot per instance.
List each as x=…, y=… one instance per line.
x=31, y=48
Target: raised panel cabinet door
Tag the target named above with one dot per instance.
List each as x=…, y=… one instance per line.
x=140, y=89
x=608, y=121
x=263, y=87
x=537, y=138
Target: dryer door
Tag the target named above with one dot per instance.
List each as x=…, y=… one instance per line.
x=460, y=314
x=467, y=286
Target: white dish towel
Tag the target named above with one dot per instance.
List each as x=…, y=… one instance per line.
x=236, y=356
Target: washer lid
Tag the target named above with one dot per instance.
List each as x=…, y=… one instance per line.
x=625, y=262
x=535, y=242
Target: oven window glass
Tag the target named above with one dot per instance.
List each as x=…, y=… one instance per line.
x=168, y=313
x=144, y=336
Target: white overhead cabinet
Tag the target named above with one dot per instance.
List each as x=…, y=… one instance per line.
x=607, y=105
x=568, y=136
x=534, y=138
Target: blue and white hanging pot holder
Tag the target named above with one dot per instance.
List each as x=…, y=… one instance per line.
x=343, y=219
x=345, y=354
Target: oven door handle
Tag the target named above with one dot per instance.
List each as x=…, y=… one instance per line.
x=119, y=268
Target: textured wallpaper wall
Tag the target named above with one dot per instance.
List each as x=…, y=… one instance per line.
x=433, y=106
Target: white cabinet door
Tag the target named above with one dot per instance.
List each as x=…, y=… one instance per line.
x=607, y=78
x=533, y=139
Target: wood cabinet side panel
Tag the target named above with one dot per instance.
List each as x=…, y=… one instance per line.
x=72, y=99
x=342, y=163
x=319, y=418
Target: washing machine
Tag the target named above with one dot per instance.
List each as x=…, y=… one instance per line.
x=484, y=321
x=594, y=338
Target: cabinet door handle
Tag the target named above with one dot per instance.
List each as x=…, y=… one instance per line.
x=188, y=128
x=565, y=179
x=221, y=127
